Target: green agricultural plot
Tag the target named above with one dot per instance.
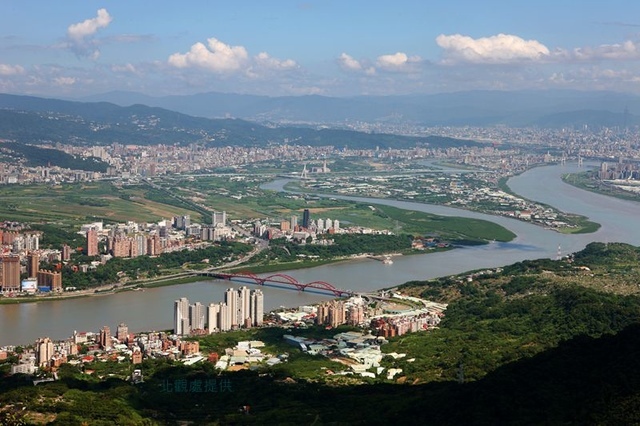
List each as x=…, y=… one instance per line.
x=72, y=203
x=452, y=228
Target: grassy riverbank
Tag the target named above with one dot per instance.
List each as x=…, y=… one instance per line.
x=588, y=182
x=580, y=224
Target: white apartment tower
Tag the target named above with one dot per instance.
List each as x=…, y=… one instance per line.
x=231, y=299
x=213, y=311
x=244, y=302
x=180, y=313
x=45, y=351
x=197, y=316
x=257, y=307
x=219, y=218
x=224, y=317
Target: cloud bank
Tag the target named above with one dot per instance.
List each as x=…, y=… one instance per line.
x=80, y=36
x=9, y=70
x=214, y=56
x=223, y=59
x=497, y=49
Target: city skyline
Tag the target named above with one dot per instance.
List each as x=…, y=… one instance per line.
x=328, y=48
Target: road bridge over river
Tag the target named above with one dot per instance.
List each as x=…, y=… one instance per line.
x=284, y=281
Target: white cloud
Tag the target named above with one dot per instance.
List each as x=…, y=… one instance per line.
x=216, y=56
x=264, y=60
x=89, y=26
x=7, y=70
x=397, y=62
x=497, y=49
x=64, y=81
x=626, y=50
x=349, y=63
x=126, y=68
x=80, y=35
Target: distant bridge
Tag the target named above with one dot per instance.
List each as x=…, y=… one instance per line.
x=279, y=280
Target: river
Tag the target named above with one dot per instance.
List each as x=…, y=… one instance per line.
x=152, y=309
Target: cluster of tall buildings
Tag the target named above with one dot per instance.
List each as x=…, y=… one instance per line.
x=242, y=308
x=11, y=270
x=133, y=239
x=399, y=325
x=291, y=227
x=337, y=312
x=319, y=225
x=620, y=171
x=20, y=241
x=138, y=245
x=18, y=247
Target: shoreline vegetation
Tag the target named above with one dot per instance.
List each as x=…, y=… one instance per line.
x=585, y=181
x=582, y=224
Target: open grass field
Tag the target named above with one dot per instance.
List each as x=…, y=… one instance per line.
x=449, y=227
x=75, y=203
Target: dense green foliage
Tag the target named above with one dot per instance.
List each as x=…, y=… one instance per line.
x=36, y=156
x=456, y=229
x=522, y=345
x=582, y=381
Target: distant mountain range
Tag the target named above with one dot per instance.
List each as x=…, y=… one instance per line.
x=561, y=108
x=131, y=118
x=28, y=119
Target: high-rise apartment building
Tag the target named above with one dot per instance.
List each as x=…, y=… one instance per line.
x=105, y=337
x=224, y=317
x=257, y=308
x=356, y=315
x=336, y=313
x=92, y=242
x=231, y=299
x=306, y=218
x=182, y=222
x=122, y=332
x=180, y=312
x=219, y=219
x=10, y=273
x=197, y=316
x=66, y=252
x=241, y=308
x=50, y=279
x=44, y=351
x=331, y=313
x=33, y=264
x=213, y=313
x=244, y=304
x=322, y=315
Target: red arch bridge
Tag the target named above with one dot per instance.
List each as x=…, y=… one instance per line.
x=279, y=280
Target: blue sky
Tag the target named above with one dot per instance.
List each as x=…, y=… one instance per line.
x=336, y=48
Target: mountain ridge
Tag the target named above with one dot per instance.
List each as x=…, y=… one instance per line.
x=29, y=119
x=478, y=107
